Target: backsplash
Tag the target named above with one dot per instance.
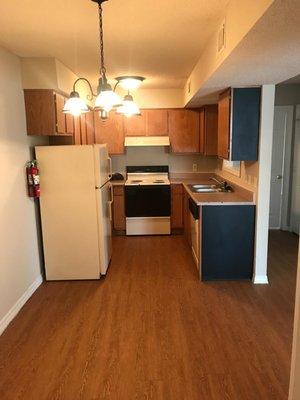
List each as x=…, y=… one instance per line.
x=159, y=156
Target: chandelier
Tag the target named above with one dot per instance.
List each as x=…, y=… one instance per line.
x=106, y=98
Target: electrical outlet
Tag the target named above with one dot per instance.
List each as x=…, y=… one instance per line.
x=195, y=167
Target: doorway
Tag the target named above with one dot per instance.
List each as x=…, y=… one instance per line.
x=280, y=197
x=295, y=179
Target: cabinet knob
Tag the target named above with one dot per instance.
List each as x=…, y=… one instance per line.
x=278, y=176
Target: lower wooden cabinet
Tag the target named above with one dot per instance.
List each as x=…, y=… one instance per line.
x=119, y=220
x=187, y=219
x=176, y=206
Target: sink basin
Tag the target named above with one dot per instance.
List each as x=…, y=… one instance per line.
x=206, y=190
x=198, y=188
x=203, y=186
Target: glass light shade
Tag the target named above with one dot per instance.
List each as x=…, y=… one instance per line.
x=130, y=82
x=128, y=108
x=75, y=106
x=106, y=100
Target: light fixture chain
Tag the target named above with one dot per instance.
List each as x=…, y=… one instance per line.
x=102, y=67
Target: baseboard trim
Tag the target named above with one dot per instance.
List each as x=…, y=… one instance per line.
x=261, y=280
x=6, y=320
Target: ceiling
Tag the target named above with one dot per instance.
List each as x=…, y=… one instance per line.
x=268, y=54
x=159, y=39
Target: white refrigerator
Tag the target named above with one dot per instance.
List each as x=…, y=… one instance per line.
x=76, y=210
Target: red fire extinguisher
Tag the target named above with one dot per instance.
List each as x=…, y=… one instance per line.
x=33, y=179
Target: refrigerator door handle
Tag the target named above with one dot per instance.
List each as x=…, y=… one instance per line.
x=110, y=210
x=111, y=193
x=110, y=167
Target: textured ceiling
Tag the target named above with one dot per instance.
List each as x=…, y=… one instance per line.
x=160, y=39
x=269, y=54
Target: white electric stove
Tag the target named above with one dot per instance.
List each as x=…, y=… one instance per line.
x=148, y=200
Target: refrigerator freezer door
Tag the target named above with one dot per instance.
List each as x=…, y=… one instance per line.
x=104, y=202
x=102, y=164
x=69, y=212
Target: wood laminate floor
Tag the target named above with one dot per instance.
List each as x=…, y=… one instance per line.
x=151, y=330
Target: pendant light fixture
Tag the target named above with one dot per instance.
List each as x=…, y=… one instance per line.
x=106, y=98
x=129, y=107
x=129, y=82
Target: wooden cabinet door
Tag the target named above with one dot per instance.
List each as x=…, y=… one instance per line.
x=202, y=130
x=40, y=112
x=119, y=220
x=135, y=125
x=90, y=134
x=60, y=116
x=69, y=124
x=186, y=218
x=211, y=130
x=77, y=134
x=110, y=131
x=184, y=131
x=176, y=206
x=224, y=124
x=157, y=122
x=83, y=129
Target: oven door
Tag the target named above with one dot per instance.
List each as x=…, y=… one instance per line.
x=147, y=201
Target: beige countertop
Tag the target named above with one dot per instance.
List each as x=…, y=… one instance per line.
x=240, y=196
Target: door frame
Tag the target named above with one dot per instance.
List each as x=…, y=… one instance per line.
x=286, y=167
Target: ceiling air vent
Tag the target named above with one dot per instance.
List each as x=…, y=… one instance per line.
x=221, y=37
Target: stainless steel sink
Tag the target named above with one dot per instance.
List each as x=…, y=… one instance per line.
x=204, y=188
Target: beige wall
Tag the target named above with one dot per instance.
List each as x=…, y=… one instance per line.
x=248, y=178
x=288, y=94
x=240, y=17
x=295, y=371
x=19, y=255
x=49, y=73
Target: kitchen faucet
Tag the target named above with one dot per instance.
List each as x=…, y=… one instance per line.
x=223, y=185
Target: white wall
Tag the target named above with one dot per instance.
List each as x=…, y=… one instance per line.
x=19, y=255
x=264, y=184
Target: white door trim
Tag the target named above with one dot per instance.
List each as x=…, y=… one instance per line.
x=286, y=170
x=264, y=184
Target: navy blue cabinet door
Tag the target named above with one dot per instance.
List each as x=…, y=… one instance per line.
x=227, y=242
x=245, y=123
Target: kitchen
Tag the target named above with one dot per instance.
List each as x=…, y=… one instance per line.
x=151, y=200
x=136, y=254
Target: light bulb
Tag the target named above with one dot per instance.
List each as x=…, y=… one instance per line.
x=75, y=105
x=129, y=107
x=107, y=99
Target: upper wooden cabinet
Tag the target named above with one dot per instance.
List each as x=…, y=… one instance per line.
x=184, y=131
x=44, y=116
x=135, y=125
x=224, y=124
x=151, y=122
x=157, y=122
x=209, y=130
x=110, y=131
x=238, y=124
